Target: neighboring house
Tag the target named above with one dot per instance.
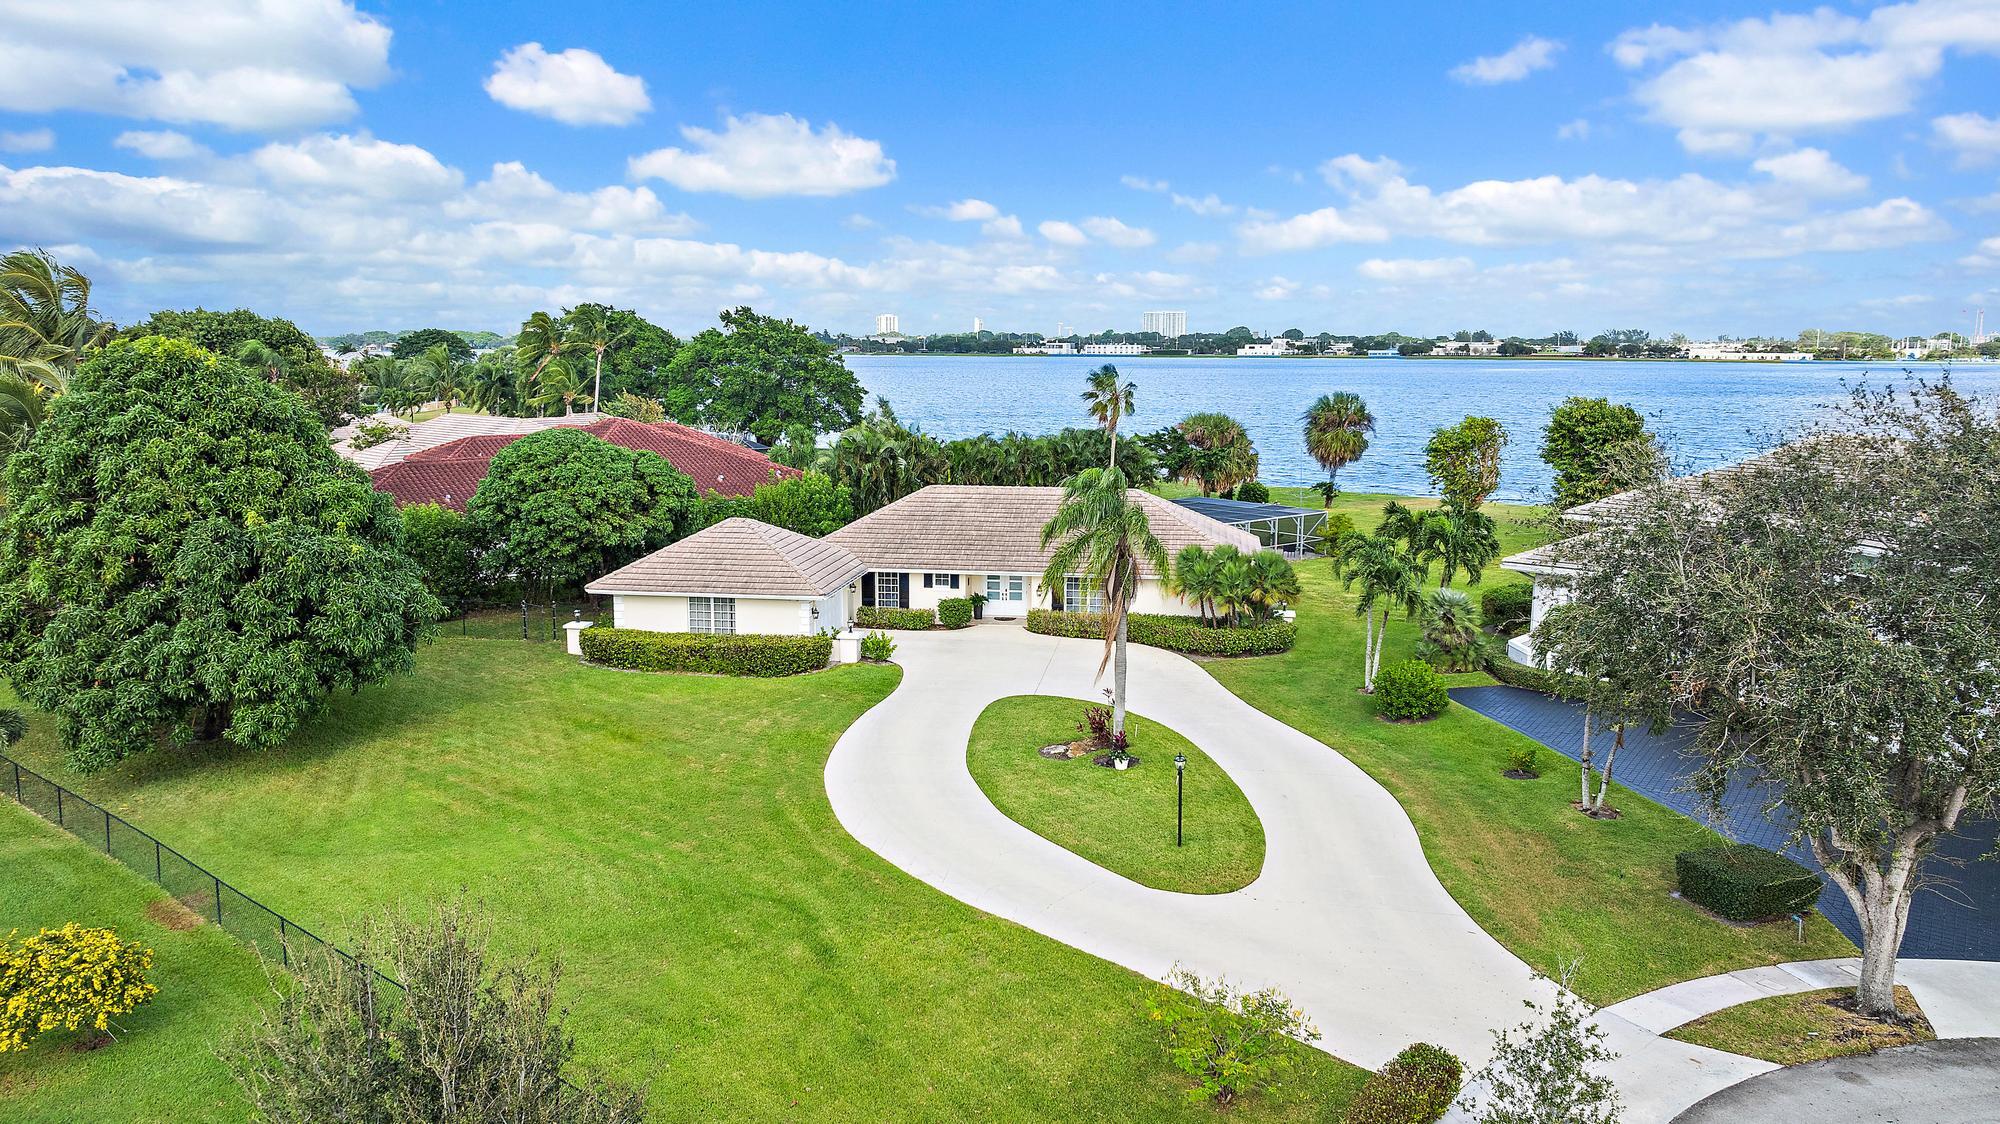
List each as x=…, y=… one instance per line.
x=939, y=542
x=448, y=473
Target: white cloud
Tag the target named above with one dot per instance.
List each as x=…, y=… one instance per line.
x=27, y=140
x=965, y=210
x=1141, y=183
x=1812, y=170
x=1532, y=53
x=1974, y=136
x=1113, y=232
x=162, y=144
x=1276, y=289
x=1987, y=254
x=241, y=64
x=859, y=221
x=1004, y=226
x=1195, y=252
x=512, y=192
x=759, y=155
x=1578, y=129
x=1062, y=233
x=1324, y=227
x=575, y=86
x=1725, y=85
x=1405, y=270
x=1208, y=206
x=358, y=165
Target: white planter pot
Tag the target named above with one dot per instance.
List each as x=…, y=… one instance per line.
x=1121, y=764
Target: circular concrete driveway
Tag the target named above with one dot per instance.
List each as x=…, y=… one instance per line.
x=1346, y=917
x=1955, y=1082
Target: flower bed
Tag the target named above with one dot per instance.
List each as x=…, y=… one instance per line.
x=1176, y=634
x=760, y=656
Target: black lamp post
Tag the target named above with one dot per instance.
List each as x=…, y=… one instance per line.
x=1180, y=793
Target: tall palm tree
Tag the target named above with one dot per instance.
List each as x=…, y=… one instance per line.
x=591, y=330
x=1388, y=579
x=1337, y=429
x=446, y=377
x=1220, y=454
x=557, y=381
x=258, y=354
x=1104, y=537
x=1108, y=401
x=46, y=326
x=542, y=341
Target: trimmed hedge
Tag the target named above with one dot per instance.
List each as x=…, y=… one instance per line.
x=875, y=616
x=1518, y=675
x=761, y=656
x=1251, y=491
x=955, y=612
x=1506, y=609
x=1416, y=1087
x=1411, y=690
x=1746, y=883
x=1176, y=634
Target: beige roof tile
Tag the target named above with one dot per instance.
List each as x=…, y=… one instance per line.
x=742, y=557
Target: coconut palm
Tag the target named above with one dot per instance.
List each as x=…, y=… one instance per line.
x=266, y=359
x=1337, y=428
x=446, y=378
x=1108, y=400
x=1101, y=535
x=591, y=329
x=542, y=341
x=1388, y=579
x=46, y=322
x=22, y=406
x=558, y=381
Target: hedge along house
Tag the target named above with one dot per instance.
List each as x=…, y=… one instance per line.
x=739, y=576
x=954, y=540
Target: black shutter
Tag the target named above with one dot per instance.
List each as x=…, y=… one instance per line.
x=954, y=581
x=868, y=590
x=927, y=580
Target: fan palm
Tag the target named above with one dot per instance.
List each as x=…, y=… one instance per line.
x=266, y=359
x=1273, y=582
x=1388, y=579
x=591, y=330
x=1337, y=428
x=1452, y=640
x=1101, y=535
x=1220, y=454
x=1108, y=401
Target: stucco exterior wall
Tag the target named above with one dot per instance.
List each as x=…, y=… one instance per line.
x=764, y=616
x=1152, y=597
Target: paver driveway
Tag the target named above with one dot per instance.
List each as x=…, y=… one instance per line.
x=1346, y=917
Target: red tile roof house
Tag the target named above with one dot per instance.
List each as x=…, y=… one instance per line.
x=448, y=473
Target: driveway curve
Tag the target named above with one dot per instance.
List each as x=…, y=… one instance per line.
x=1347, y=917
x=1956, y=1082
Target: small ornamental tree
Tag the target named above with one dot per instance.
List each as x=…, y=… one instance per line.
x=184, y=555
x=1463, y=461
x=62, y=979
x=1231, y=1042
x=563, y=506
x=1547, y=1070
x=1581, y=443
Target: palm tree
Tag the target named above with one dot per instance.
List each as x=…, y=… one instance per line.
x=446, y=376
x=1337, y=428
x=1194, y=580
x=1452, y=639
x=1101, y=535
x=591, y=329
x=22, y=406
x=1460, y=540
x=556, y=381
x=258, y=354
x=46, y=325
x=1387, y=579
x=1108, y=401
x=1235, y=580
x=1273, y=582
x=1407, y=527
x=542, y=341
x=1219, y=454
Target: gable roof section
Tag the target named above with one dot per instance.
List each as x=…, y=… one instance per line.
x=739, y=557
x=447, y=482
x=987, y=529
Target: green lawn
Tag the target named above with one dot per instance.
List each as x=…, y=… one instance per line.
x=162, y=1070
x=1808, y=1027
x=726, y=942
x=1123, y=822
x=1550, y=884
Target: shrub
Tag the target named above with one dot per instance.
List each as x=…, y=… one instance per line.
x=1517, y=675
x=758, y=656
x=1416, y=1087
x=1746, y=883
x=64, y=978
x=1253, y=492
x=1097, y=723
x=1506, y=608
x=1176, y=634
x=1230, y=1042
x=13, y=726
x=876, y=647
x=955, y=612
x=1451, y=638
x=1524, y=759
x=369, y=434
x=875, y=616
x=1410, y=690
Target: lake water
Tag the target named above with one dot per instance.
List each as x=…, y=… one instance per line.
x=1708, y=413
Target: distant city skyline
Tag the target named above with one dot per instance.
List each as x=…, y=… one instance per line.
x=1168, y=324
x=1735, y=167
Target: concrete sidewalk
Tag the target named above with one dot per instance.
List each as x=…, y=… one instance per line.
x=1961, y=997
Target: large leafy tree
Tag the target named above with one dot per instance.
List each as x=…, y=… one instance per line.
x=1831, y=616
x=1583, y=442
x=1099, y=534
x=332, y=394
x=561, y=506
x=810, y=503
x=413, y=345
x=1211, y=451
x=1337, y=426
x=1464, y=460
x=185, y=557
x=762, y=375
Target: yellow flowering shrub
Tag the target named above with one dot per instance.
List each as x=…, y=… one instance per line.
x=66, y=978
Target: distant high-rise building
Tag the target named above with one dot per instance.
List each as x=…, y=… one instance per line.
x=887, y=324
x=978, y=325
x=1170, y=325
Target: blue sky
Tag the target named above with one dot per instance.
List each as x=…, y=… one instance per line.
x=1705, y=168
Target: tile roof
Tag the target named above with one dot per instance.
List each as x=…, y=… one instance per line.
x=418, y=436
x=447, y=473
x=740, y=557
x=982, y=529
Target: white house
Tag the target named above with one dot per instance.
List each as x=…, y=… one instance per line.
x=1277, y=346
x=939, y=542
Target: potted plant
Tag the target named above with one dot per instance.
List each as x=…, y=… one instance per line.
x=1121, y=753
x=978, y=606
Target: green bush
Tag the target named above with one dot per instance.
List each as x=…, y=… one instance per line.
x=1411, y=690
x=1746, y=883
x=1229, y=1041
x=1253, y=492
x=1518, y=675
x=760, y=656
x=1506, y=608
x=1416, y=1087
x=1524, y=759
x=875, y=616
x=1176, y=634
x=955, y=612
x=13, y=726
x=876, y=647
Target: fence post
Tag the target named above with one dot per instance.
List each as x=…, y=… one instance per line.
x=284, y=952
x=524, y=618
x=59, y=807
x=17, y=782
x=552, y=619
x=156, y=863
x=218, y=901
x=107, y=831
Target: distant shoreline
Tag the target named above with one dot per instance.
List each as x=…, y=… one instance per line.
x=1387, y=358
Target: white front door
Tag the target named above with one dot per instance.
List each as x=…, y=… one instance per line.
x=1006, y=594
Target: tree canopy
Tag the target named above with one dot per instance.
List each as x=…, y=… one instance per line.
x=184, y=556
x=638, y=358
x=1211, y=451
x=332, y=394
x=411, y=345
x=562, y=506
x=1463, y=460
x=762, y=375
x=1584, y=442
